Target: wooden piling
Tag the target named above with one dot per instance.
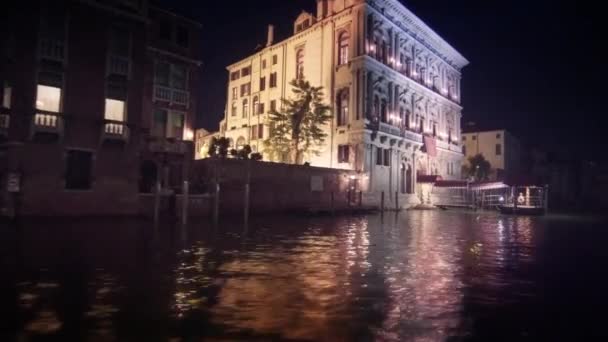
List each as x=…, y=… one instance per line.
x=382, y=201
x=185, y=202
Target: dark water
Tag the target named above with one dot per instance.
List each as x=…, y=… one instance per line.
x=419, y=276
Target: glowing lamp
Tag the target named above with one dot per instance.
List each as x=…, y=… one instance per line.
x=188, y=135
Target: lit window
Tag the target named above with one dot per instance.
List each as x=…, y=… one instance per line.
x=48, y=98
x=6, y=95
x=115, y=110
x=343, y=153
x=245, y=107
x=343, y=107
x=256, y=104
x=300, y=64
x=343, y=48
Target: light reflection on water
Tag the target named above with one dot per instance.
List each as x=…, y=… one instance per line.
x=420, y=276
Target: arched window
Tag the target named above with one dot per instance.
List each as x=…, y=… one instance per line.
x=233, y=112
x=256, y=105
x=383, y=111
x=240, y=142
x=300, y=63
x=343, y=98
x=343, y=48
x=376, y=107
x=245, y=108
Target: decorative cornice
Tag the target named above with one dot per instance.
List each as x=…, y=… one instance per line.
x=420, y=31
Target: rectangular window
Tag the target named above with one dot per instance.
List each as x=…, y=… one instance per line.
x=262, y=83
x=387, y=157
x=464, y=138
x=235, y=75
x=175, y=127
x=474, y=137
x=273, y=80
x=48, y=98
x=79, y=166
x=260, y=131
x=114, y=110
x=234, y=93
x=245, y=89
x=262, y=109
x=179, y=77
x=7, y=95
x=159, y=126
x=379, y=155
x=162, y=74
x=253, y=132
x=246, y=71
x=183, y=37
x=343, y=153
x=273, y=105
x=498, y=136
x=275, y=59
x=498, y=149
x=264, y=64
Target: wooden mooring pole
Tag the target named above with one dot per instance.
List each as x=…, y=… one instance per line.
x=382, y=202
x=396, y=200
x=185, y=202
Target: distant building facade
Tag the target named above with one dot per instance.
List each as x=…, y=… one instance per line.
x=393, y=84
x=499, y=147
x=97, y=104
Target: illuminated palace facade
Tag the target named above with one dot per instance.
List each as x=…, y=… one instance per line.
x=392, y=82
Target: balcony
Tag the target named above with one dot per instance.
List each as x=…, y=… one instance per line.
x=5, y=120
x=115, y=131
x=52, y=49
x=413, y=136
x=118, y=65
x=48, y=122
x=160, y=145
x=390, y=129
x=175, y=96
x=180, y=97
x=162, y=93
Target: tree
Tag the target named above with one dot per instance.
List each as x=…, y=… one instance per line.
x=219, y=147
x=478, y=168
x=296, y=130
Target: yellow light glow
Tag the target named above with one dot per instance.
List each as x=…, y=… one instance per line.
x=48, y=98
x=188, y=134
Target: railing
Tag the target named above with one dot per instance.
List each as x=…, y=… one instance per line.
x=115, y=130
x=176, y=96
x=118, y=65
x=167, y=146
x=413, y=136
x=53, y=49
x=48, y=122
x=180, y=97
x=162, y=93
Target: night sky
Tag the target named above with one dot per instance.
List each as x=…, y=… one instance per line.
x=535, y=66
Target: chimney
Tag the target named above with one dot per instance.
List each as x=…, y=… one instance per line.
x=270, y=40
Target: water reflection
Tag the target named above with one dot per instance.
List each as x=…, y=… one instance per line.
x=420, y=276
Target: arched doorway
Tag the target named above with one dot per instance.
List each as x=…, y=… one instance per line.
x=408, y=180
x=147, y=176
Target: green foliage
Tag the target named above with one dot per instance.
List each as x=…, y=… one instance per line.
x=478, y=169
x=296, y=131
x=219, y=147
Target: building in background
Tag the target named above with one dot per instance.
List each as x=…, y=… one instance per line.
x=498, y=147
x=97, y=100
x=202, y=141
x=393, y=84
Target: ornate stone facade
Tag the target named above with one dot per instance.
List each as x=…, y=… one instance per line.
x=393, y=84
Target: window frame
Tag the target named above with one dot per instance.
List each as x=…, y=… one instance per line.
x=343, y=47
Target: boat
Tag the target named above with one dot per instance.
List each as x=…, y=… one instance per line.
x=521, y=210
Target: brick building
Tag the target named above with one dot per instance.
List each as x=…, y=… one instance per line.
x=97, y=104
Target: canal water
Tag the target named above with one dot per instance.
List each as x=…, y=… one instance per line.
x=412, y=276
